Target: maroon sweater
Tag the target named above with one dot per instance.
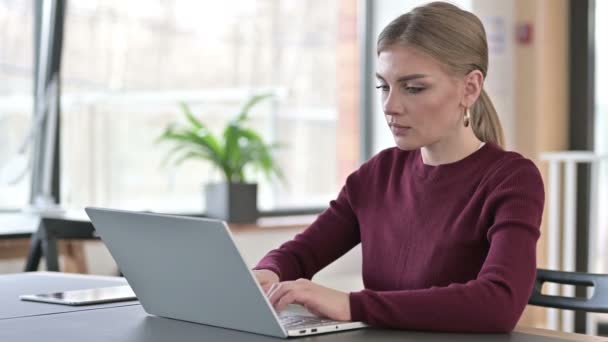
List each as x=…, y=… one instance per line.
x=447, y=248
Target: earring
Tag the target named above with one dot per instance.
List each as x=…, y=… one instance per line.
x=467, y=117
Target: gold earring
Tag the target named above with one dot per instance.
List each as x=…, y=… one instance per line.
x=467, y=117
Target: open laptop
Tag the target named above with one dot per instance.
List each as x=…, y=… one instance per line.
x=190, y=269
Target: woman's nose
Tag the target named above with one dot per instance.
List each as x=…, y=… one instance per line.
x=390, y=105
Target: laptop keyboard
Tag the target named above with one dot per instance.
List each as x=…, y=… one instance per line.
x=291, y=320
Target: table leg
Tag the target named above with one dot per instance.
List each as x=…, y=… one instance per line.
x=49, y=249
x=34, y=254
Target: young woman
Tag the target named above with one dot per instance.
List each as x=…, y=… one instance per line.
x=447, y=220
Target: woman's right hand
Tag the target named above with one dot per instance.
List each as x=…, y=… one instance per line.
x=266, y=278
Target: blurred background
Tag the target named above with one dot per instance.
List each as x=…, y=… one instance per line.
x=125, y=66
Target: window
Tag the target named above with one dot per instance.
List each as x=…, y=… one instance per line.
x=127, y=64
x=16, y=99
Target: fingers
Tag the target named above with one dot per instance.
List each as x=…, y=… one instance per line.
x=313, y=310
x=272, y=291
x=288, y=298
x=262, y=276
x=282, y=294
x=265, y=276
x=320, y=301
x=264, y=279
x=264, y=282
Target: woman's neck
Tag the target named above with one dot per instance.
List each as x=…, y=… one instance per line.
x=450, y=149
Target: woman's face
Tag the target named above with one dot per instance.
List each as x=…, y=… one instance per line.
x=421, y=101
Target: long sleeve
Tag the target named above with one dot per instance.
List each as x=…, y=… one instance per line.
x=495, y=299
x=331, y=235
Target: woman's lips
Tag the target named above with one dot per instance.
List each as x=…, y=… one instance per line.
x=399, y=129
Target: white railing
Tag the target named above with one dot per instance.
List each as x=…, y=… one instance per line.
x=562, y=233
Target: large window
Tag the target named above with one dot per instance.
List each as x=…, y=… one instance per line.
x=16, y=99
x=127, y=64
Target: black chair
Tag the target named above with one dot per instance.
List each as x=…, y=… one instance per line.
x=597, y=303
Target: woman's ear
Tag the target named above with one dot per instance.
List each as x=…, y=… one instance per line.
x=473, y=84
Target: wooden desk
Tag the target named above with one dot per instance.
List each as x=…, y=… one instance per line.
x=73, y=252
x=49, y=236
x=17, y=229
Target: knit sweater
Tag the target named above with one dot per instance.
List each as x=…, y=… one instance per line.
x=445, y=248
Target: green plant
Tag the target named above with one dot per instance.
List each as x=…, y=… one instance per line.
x=237, y=147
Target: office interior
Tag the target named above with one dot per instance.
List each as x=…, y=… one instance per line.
x=119, y=71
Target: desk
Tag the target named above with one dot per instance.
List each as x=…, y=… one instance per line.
x=11, y=286
x=17, y=225
x=46, y=230
x=131, y=324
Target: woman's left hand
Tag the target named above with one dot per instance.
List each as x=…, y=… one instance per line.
x=319, y=300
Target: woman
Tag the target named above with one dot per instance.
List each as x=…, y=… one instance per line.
x=448, y=221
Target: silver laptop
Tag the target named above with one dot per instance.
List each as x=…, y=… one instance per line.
x=190, y=269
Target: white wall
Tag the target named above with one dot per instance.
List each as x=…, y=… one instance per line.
x=498, y=19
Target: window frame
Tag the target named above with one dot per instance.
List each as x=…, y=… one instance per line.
x=364, y=14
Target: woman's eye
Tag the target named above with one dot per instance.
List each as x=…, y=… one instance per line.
x=383, y=87
x=414, y=90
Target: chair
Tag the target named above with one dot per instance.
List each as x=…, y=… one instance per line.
x=597, y=303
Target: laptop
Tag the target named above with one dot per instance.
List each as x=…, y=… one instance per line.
x=190, y=269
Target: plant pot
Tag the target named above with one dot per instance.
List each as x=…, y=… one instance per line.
x=232, y=202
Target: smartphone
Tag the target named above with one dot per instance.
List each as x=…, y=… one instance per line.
x=85, y=297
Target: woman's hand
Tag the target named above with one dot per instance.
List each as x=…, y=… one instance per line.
x=266, y=278
x=319, y=300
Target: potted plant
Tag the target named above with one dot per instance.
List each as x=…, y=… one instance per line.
x=238, y=147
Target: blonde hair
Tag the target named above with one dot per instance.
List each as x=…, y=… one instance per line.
x=457, y=39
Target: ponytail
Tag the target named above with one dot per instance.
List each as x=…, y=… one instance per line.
x=485, y=122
